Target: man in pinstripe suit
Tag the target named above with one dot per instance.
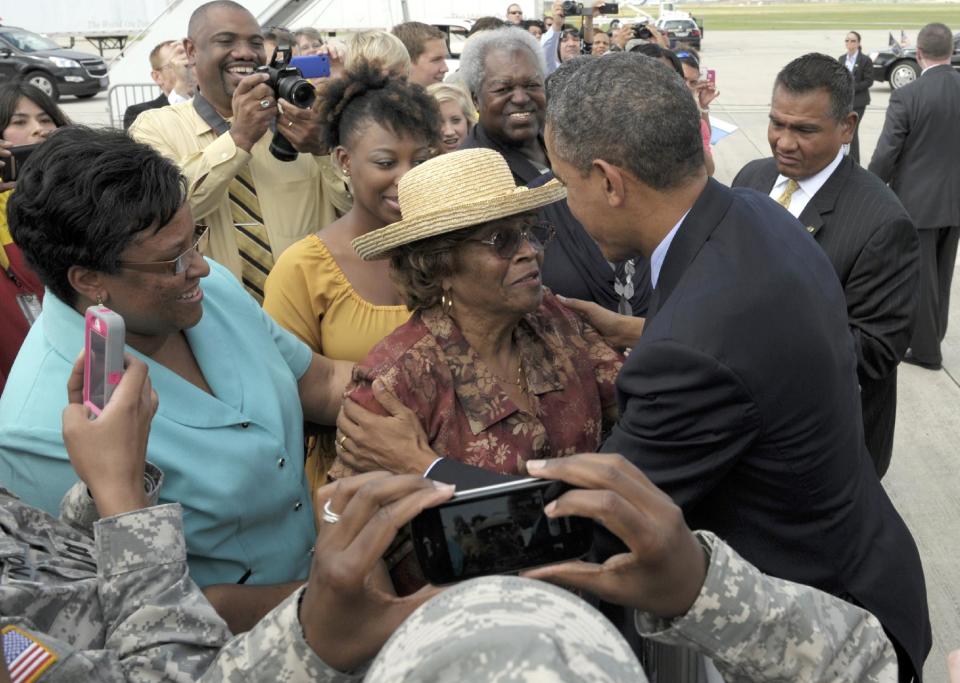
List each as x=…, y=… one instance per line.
x=856, y=219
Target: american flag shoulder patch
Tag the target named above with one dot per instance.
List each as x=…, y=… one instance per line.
x=26, y=657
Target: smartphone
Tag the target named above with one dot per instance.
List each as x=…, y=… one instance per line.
x=499, y=529
x=711, y=76
x=104, y=334
x=312, y=66
x=12, y=164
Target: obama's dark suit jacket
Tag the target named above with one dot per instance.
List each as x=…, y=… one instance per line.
x=871, y=242
x=741, y=402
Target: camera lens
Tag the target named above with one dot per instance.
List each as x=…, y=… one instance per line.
x=296, y=90
x=302, y=94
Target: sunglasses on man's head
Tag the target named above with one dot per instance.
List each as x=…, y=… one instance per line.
x=688, y=56
x=506, y=241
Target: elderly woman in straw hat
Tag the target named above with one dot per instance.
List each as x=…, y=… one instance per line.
x=495, y=368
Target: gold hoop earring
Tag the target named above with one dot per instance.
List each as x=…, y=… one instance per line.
x=446, y=303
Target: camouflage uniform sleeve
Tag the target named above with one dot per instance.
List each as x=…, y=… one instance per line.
x=79, y=511
x=274, y=650
x=158, y=623
x=759, y=628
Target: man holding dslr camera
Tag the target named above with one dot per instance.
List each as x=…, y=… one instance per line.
x=254, y=203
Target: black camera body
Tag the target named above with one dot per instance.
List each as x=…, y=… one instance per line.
x=575, y=9
x=642, y=31
x=289, y=84
x=571, y=8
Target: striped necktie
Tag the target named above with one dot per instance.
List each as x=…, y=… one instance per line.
x=256, y=256
x=792, y=186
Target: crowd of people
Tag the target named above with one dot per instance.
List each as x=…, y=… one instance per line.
x=520, y=268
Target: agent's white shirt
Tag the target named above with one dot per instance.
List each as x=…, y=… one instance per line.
x=808, y=187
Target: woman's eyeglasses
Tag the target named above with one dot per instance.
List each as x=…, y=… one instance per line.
x=173, y=266
x=506, y=242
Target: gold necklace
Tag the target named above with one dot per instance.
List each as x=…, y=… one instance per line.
x=521, y=378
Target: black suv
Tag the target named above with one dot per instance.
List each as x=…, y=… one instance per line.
x=900, y=68
x=43, y=63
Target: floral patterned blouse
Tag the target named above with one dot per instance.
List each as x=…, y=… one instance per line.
x=570, y=376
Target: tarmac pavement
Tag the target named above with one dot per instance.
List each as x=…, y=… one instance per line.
x=924, y=476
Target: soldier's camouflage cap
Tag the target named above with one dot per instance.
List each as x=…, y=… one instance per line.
x=504, y=629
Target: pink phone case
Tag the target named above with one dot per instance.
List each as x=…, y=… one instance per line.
x=104, y=334
x=711, y=76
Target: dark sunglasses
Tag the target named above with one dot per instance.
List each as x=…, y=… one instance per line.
x=506, y=242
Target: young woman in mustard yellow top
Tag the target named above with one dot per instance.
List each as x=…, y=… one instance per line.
x=319, y=289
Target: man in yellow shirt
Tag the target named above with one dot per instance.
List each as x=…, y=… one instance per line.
x=254, y=204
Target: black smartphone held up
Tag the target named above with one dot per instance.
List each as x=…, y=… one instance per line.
x=498, y=529
x=11, y=164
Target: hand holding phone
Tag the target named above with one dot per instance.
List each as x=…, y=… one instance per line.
x=706, y=88
x=663, y=568
x=346, y=615
x=109, y=453
x=104, y=339
x=18, y=155
x=500, y=529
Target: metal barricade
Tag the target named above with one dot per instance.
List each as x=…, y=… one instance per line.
x=122, y=96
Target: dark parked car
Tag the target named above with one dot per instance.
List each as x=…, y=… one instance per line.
x=685, y=31
x=900, y=68
x=43, y=63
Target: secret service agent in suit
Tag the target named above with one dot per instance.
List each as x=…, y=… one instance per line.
x=170, y=70
x=740, y=399
x=855, y=218
x=917, y=156
x=861, y=68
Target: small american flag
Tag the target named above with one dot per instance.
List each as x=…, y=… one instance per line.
x=25, y=656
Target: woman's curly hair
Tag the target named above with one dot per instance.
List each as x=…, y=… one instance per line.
x=366, y=94
x=418, y=268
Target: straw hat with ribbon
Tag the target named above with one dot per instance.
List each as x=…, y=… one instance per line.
x=454, y=191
